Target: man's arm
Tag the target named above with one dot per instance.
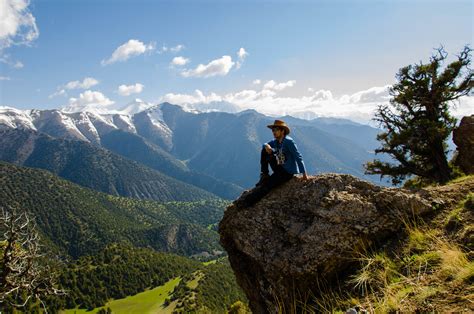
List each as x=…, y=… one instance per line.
x=299, y=159
x=269, y=148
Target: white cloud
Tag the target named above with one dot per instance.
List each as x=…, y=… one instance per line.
x=463, y=107
x=18, y=64
x=322, y=95
x=17, y=24
x=127, y=90
x=90, y=98
x=4, y=78
x=7, y=59
x=272, y=85
x=242, y=54
x=174, y=49
x=374, y=94
x=216, y=67
x=131, y=48
x=59, y=92
x=86, y=83
x=177, y=48
x=359, y=106
x=197, y=97
x=257, y=82
x=17, y=27
x=179, y=61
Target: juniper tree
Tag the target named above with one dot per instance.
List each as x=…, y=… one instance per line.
x=24, y=272
x=417, y=120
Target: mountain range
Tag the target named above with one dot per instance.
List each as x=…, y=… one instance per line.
x=93, y=167
x=214, y=151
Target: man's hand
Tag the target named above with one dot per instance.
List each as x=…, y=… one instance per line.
x=268, y=149
x=305, y=176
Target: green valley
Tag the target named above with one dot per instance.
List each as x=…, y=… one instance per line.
x=76, y=221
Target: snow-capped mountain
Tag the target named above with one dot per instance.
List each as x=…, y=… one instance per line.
x=15, y=118
x=131, y=108
x=86, y=125
x=221, y=145
x=139, y=105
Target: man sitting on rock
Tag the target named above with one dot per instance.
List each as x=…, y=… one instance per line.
x=283, y=157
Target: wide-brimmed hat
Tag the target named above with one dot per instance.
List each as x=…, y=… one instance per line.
x=279, y=124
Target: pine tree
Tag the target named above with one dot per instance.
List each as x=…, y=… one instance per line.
x=417, y=121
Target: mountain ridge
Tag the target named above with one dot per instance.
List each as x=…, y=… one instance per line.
x=223, y=146
x=93, y=167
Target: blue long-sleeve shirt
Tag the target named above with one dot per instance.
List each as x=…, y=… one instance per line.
x=293, y=160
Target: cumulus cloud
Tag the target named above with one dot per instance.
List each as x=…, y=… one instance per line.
x=321, y=95
x=86, y=83
x=242, y=54
x=272, y=85
x=463, y=107
x=359, y=106
x=257, y=82
x=321, y=103
x=127, y=90
x=17, y=27
x=218, y=67
x=197, y=97
x=17, y=24
x=374, y=94
x=179, y=61
x=130, y=49
x=89, y=99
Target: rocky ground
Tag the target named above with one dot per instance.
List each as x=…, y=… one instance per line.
x=336, y=242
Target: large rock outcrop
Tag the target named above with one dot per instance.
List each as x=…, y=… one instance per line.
x=463, y=137
x=305, y=231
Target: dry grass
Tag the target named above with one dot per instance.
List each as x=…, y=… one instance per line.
x=422, y=276
x=427, y=271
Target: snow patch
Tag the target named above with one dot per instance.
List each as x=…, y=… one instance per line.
x=156, y=118
x=15, y=118
x=124, y=123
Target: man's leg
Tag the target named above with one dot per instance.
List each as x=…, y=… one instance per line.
x=278, y=177
x=265, y=160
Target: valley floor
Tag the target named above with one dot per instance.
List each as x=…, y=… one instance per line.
x=150, y=301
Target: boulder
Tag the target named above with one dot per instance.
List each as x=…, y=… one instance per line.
x=305, y=231
x=463, y=137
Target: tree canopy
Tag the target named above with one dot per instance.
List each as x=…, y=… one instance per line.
x=417, y=121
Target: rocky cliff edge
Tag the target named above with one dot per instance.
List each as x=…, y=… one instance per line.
x=305, y=231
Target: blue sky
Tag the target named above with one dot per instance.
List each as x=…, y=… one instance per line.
x=297, y=56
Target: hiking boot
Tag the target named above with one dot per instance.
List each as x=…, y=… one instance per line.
x=263, y=179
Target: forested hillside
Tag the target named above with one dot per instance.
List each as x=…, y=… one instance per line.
x=116, y=272
x=77, y=221
x=93, y=167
